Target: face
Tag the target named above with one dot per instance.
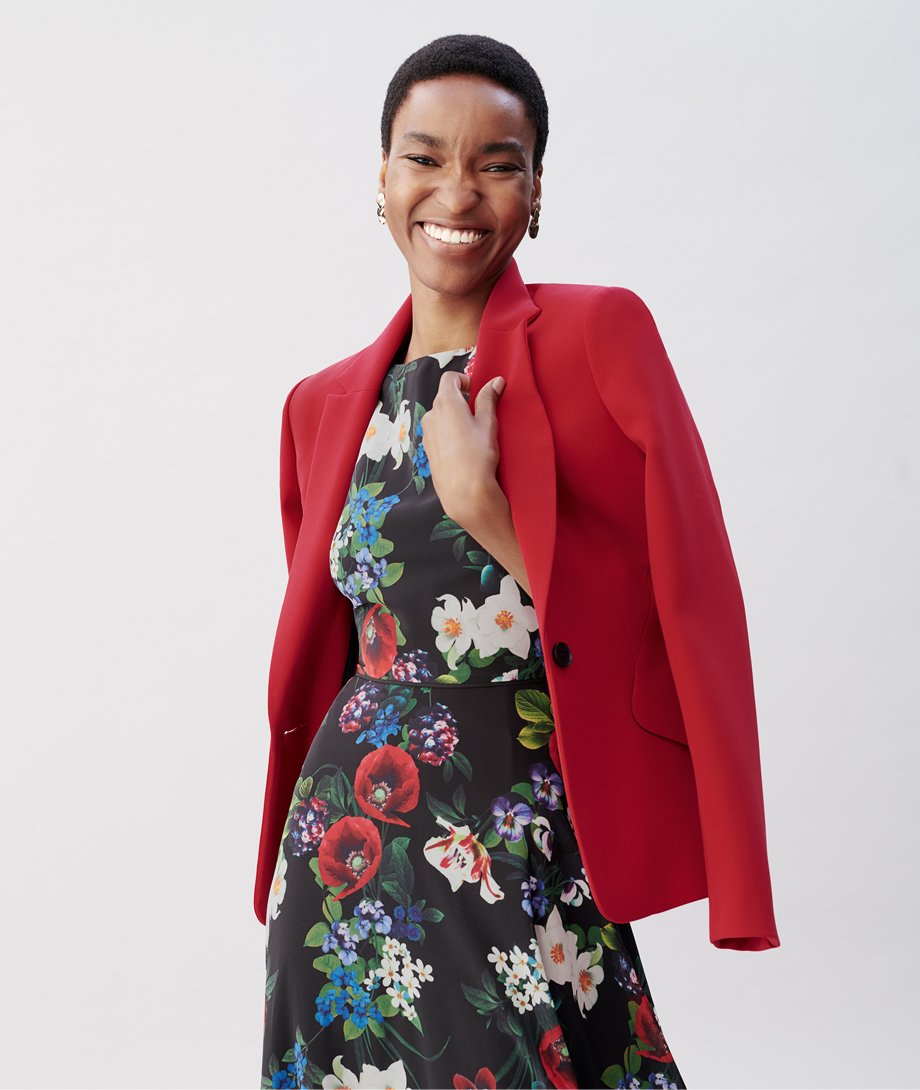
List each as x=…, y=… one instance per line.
x=460, y=157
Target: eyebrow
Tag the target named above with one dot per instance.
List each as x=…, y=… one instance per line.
x=490, y=148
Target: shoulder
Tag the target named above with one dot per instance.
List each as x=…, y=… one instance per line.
x=594, y=304
x=314, y=387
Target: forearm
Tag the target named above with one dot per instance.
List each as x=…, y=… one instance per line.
x=489, y=522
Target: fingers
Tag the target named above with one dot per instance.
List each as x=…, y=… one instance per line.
x=487, y=397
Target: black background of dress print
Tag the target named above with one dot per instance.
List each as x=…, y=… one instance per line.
x=476, y=752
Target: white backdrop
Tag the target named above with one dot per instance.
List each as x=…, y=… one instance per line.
x=188, y=227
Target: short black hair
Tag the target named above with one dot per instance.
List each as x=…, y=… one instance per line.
x=473, y=54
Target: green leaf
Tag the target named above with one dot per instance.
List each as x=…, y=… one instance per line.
x=397, y=869
x=459, y=798
x=490, y=838
x=517, y=847
x=270, y=984
x=305, y=787
x=325, y=963
x=579, y=933
x=524, y=789
x=613, y=1075
x=438, y=807
x=351, y=1030
x=633, y=1059
x=463, y=764
x=610, y=936
x=393, y=573
x=381, y=547
x=335, y=908
x=316, y=935
x=534, y=706
x=533, y=737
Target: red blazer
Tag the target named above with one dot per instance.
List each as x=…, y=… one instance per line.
x=633, y=581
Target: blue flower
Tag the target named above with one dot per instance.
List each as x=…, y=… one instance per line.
x=510, y=818
x=386, y=723
x=547, y=786
x=285, y=1076
x=534, y=902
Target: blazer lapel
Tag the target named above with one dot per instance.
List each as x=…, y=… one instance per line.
x=526, y=470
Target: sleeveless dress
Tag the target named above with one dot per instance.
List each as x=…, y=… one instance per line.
x=430, y=922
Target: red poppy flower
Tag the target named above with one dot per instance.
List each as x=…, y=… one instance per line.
x=386, y=783
x=349, y=852
x=378, y=641
x=647, y=1029
x=554, y=1052
x=485, y=1080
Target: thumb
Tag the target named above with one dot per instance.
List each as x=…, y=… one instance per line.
x=489, y=394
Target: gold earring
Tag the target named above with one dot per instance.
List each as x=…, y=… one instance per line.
x=534, y=222
x=381, y=213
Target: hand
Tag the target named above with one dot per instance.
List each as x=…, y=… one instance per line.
x=462, y=446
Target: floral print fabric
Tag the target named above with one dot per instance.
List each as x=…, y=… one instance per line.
x=430, y=922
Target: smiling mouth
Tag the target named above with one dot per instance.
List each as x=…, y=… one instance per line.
x=454, y=239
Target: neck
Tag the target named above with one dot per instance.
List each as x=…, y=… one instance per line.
x=441, y=322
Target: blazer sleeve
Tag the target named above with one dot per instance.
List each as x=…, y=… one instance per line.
x=291, y=503
x=698, y=595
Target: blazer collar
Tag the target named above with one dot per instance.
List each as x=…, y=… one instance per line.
x=509, y=305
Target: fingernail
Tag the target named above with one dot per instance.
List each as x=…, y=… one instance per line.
x=498, y=384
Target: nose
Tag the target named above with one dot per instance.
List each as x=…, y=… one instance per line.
x=458, y=192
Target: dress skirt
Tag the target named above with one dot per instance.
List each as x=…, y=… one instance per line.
x=430, y=921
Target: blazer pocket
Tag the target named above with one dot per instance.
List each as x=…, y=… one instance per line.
x=655, y=705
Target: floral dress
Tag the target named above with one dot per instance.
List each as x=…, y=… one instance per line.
x=430, y=922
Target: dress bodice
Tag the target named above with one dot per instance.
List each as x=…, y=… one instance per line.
x=429, y=601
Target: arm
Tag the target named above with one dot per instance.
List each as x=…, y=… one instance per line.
x=696, y=588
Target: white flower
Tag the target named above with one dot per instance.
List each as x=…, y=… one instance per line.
x=455, y=624
x=278, y=887
x=401, y=433
x=586, y=979
x=542, y=835
x=378, y=439
x=372, y=1078
x=423, y=971
x=576, y=890
x=461, y=857
x=519, y=960
x=504, y=622
x=558, y=948
x=500, y=959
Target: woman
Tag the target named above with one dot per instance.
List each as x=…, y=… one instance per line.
x=512, y=616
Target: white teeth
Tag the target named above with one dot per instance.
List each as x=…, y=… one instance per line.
x=442, y=234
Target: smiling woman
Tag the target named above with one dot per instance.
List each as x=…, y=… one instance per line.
x=452, y=842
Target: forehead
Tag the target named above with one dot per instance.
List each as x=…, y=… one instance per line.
x=463, y=109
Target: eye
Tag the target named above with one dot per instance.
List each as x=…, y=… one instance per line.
x=506, y=167
x=415, y=158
